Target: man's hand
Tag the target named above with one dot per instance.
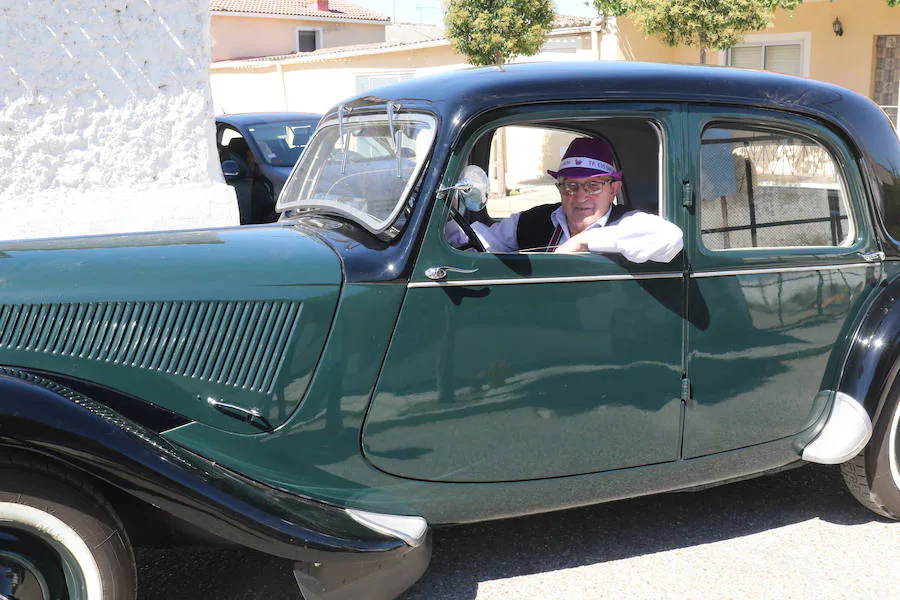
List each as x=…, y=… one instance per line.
x=577, y=243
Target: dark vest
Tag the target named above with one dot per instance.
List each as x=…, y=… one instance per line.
x=535, y=229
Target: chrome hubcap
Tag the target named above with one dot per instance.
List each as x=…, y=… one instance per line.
x=31, y=568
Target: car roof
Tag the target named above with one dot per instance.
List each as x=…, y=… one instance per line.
x=464, y=93
x=243, y=119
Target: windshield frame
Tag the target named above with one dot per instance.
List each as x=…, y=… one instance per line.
x=379, y=227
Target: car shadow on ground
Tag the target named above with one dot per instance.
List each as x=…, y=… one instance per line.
x=467, y=555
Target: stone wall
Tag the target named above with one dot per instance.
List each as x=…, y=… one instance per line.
x=106, y=121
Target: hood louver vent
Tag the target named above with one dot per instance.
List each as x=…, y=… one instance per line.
x=241, y=344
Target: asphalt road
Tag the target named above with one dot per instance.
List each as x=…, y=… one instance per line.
x=794, y=535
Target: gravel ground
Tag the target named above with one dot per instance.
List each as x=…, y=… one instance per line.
x=795, y=535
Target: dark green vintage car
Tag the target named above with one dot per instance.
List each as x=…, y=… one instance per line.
x=329, y=387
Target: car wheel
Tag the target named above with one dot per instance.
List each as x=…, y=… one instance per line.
x=873, y=476
x=59, y=538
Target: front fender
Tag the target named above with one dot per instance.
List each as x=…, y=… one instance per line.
x=42, y=416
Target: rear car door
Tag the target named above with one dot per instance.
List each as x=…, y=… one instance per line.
x=780, y=251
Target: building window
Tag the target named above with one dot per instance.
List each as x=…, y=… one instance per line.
x=567, y=45
x=368, y=81
x=778, y=54
x=309, y=40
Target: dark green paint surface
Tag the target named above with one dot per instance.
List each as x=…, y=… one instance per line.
x=510, y=382
x=758, y=363
x=174, y=318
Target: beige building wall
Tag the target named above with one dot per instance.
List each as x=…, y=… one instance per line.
x=847, y=60
x=634, y=45
x=246, y=37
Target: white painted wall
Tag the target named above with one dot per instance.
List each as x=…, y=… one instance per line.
x=106, y=121
x=258, y=86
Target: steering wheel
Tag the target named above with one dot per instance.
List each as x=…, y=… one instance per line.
x=474, y=240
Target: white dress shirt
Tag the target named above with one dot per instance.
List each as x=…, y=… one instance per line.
x=637, y=236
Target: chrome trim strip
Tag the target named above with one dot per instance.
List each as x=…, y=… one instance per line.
x=780, y=270
x=535, y=280
x=411, y=530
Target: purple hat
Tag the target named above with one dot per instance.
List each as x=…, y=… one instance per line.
x=587, y=157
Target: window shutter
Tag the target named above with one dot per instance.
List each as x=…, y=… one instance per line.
x=784, y=58
x=746, y=57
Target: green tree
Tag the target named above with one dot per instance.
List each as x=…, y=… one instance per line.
x=491, y=32
x=715, y=24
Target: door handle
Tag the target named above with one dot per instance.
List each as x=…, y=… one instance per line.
x=440, y=273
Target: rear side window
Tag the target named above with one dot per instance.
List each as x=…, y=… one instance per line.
x=765, y=188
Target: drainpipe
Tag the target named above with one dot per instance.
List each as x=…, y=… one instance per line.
x=284, y=98
x=597, y=27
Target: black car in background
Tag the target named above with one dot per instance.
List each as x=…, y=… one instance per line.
x=257, y=152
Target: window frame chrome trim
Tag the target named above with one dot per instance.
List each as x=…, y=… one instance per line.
x=768, y=270
x=543, y=280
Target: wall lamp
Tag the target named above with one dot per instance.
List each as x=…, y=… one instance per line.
x=837, y=27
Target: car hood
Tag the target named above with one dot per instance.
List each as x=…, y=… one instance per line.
x=191, y=321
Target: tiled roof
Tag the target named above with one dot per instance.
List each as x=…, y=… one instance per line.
x=337, y=9
x=566, y=21
x=326, y=53
x=413, y=32
x=423, y=36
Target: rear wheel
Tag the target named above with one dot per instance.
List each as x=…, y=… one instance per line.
x=873, y=476
x=59, y=538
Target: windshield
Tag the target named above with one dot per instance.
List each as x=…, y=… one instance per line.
x=281, y=143
x=367, y=175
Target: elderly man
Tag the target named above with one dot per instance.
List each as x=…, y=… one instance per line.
x=586, y=220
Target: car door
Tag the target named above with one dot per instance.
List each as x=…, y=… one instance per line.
x=533, y=365
x=780, y=251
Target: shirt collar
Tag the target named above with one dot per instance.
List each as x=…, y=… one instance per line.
x=558, y=218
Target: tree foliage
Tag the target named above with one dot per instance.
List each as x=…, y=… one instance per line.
x=491, y=32
x=610, y=8
x=716, y=24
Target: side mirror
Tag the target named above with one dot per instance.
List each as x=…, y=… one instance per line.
x=473, y=188
x=231, y=170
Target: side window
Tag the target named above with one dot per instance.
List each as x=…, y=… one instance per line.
x=233, y=146
x=519, y=159
x=765, y=188
x=516, y=159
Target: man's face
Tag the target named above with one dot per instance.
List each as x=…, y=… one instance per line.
x=584, y=201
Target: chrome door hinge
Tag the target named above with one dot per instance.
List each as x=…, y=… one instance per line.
x=686, y=396
x=872, y=257
x=687, y=195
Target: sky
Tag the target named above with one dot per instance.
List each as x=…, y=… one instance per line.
x=431, y=11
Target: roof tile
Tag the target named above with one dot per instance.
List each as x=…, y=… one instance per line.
x=337, y=9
